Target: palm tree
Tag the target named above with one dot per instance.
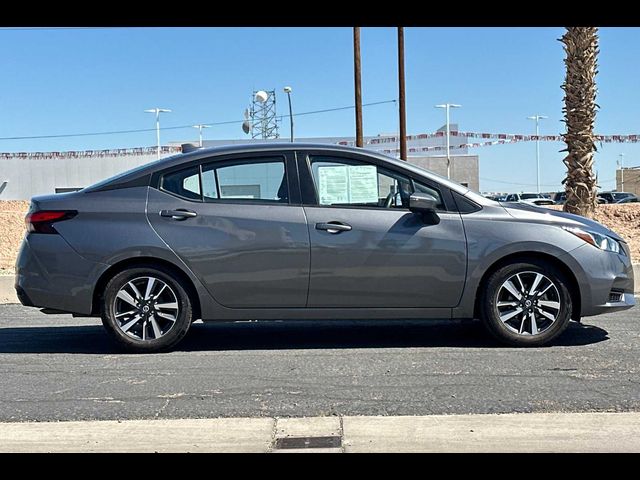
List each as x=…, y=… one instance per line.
x=581, y=48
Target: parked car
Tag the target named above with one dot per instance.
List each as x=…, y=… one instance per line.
x=560, y=198
x=531, y=198
x=632, y=199
x=305, y=231
x=615, y=197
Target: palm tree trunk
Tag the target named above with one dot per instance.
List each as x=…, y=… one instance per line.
x=581, y=48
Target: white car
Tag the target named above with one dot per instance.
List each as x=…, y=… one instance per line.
x=531, y=198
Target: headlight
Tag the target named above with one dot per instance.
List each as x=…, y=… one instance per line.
x=603, y=242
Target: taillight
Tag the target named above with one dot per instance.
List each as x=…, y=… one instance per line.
x=42, y=221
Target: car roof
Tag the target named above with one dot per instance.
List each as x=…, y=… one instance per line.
x=132, y=177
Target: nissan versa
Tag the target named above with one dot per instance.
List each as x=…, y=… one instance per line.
x=303, y=231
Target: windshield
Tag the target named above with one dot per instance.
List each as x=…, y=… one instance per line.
x=526, y=196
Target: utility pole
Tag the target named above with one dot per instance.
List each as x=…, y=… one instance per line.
x=401, y=95
x=537, y=118
x=356, y=70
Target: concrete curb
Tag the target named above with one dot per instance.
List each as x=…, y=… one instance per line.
x=8, y=293
x=515, y=432
x=7, y=290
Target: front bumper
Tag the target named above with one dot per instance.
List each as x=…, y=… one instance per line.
x=51, y=274
x=599, y=274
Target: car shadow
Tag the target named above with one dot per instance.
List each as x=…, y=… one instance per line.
x=285, y=335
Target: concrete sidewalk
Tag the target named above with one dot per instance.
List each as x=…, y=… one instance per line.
x=8, y=293
x=530, y=432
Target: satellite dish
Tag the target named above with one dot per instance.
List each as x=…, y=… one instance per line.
x=246, y=114
x=246, y=126
x=261, y=96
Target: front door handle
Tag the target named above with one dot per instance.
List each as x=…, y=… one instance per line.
x=333, y=227
x=178, y=214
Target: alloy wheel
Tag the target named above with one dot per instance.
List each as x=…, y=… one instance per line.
x=528, y=303
x=146, y=308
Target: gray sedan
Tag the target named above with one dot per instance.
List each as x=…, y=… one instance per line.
x=304, y=231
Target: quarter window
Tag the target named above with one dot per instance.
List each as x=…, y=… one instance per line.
x=184, y=183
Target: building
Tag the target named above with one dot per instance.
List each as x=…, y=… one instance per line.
x=631, y=178
x=24, y=175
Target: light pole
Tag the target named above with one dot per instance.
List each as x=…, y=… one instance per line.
x=287, y=90
x=157, y=111
x=200, y=127
x=537, y=118
x=621, y=165
x=447, y=107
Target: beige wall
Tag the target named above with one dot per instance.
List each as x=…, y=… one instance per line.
x=464, y=168
x=631, y=180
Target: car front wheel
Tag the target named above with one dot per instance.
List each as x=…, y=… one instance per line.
x=526, y=304
x=145, y=309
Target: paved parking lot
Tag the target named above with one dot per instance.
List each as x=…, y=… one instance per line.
x=60, y=368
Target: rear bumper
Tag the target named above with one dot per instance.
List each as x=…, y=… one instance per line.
x=50, y=274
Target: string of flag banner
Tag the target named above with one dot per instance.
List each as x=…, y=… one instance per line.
x=116, y=152
x=503, y=136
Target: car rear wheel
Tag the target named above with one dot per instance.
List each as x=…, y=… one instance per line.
x=526, y=304
x=145, y=309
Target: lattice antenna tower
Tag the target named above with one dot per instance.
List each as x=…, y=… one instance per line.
x=264, y=122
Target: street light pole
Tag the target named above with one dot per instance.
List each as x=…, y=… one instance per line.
x=537, y=118
x=447, y=107
x=287, y=90
x=200, y=127
x=621, y=164
x=158, y=111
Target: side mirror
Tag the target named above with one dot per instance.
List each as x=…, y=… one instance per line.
x=424, y=205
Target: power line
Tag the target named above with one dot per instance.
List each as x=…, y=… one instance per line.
x=141, y=130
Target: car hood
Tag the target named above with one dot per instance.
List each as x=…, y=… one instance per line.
x=534, y=214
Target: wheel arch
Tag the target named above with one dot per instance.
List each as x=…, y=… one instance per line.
x=532, y=256
x=127, y=263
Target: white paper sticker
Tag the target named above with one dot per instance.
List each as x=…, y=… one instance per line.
x=363, y=184
x=333, y=185
x=347, y=184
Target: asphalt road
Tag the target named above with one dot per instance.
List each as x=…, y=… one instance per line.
x=59, y=368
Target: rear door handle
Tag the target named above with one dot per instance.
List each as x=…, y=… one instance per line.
x=178, y=214
x=333, y=227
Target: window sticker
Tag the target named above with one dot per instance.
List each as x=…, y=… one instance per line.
x=363, y=184
x=346, y=184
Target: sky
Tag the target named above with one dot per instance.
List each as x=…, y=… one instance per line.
x=66, y=81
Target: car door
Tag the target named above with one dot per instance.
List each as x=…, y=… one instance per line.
x=237, y=223
x=367, y=249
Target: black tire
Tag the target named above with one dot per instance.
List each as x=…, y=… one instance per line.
x=490, y=315
x=174, y=332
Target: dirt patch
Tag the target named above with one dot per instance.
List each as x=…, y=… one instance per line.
x=11, y=232
x=622, y=219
